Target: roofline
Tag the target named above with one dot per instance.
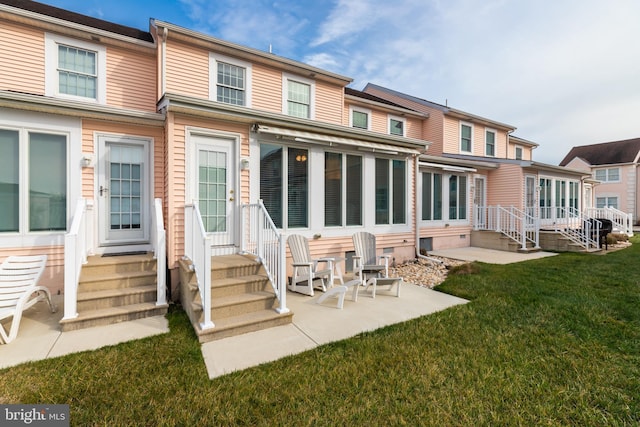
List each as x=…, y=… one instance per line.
x=64, y=24
x=399, y=110
x=45, y=104
x=524, y=141
x=189, y=105
x=445, y=108
x=560, y=169
x=249, y=53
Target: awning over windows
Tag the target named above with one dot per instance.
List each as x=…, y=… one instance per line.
x=335, y=141
x=448, y=168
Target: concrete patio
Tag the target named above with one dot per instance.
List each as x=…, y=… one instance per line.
x=313, y=324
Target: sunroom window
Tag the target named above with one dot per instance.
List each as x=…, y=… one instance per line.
x=390, y=185
x=37, y=201
x=286, y=200
x=342, y=189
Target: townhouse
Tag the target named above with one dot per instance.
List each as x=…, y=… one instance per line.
x=141, y=160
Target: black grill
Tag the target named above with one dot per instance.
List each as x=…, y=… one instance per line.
x=606, y=227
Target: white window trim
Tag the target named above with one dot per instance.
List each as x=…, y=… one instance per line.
x=25, y=122
x=607, y=197
x=360, y=110
x=400, y=119
x=286, y=77
x=515, y=152
x=460, y=138
x=213, y=76
x=446, y=220
x=606, y=171
x=51, y=67
x=495, y=142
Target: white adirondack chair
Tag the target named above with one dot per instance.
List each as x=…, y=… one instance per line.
x=306, y=274
x=366, y=262
x=19, y=290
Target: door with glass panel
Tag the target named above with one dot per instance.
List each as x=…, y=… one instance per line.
x=479, y=203
x=123, y=191
x=214, y=187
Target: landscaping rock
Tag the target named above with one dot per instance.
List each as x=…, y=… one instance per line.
x=424, y=272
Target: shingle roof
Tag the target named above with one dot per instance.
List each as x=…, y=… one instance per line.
x=606, y=153
x=368, y=96
x=77, y=18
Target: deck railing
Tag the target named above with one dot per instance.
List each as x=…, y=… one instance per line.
x=519, y=226
x=261, y=238
x=76, y=248
x=622, y=222
x=197, y=247
x=159, y=247
x=581, y=229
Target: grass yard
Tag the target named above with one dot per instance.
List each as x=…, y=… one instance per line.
x=554, y=341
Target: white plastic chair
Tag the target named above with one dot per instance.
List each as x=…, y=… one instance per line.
x=306, y=274
x=366, y=263
x=19, y=290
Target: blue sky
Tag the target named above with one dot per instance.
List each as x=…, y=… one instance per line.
x=564, y=72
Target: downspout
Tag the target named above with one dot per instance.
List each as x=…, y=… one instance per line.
x=418, y=214
x=163, y=62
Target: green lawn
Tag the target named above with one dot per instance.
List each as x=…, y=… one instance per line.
x=554, y=341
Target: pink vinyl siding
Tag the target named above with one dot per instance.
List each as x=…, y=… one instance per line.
x=187, y=70
x=329, y=103
x=21, y=59
x=451, y=136
x=131, y=79
x=506, y=186
x=267, y=88
x=449, y=237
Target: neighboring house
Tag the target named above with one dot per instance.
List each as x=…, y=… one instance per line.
x=614, y=166
x=495, y=169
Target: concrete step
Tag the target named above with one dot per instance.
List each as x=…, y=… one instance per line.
x=116, y=281
x=239, y=285
x=235, y=305
x=112, y=315
x=242, y=324
x=105, y=265
x=230, y=266
x=103, y=299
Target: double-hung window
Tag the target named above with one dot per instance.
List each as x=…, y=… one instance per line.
x=230, y=81
x=391, y=191
x=35, y=201
x=284, y=184
x=75, y=69
x=342, y=189
x=607, y=202
x=397, y=126
x=490, y=142
x=518, y=152
x=360, y=118
x=466, y=138
x=608, y=175
x=298, y=94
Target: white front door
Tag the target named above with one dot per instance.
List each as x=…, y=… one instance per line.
x=214, y=186
x=123, y=191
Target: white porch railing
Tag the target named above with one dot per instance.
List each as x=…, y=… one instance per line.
x=76, y=247
x=579, y=228
x=622, y=222
x=159, y=246
x=197, y=247
x=261, y=238
x=519, y=226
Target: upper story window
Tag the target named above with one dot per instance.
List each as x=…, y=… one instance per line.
x=608, y=175
x=360, y=118
x=607, y=202
x=75, y=69
x=466, y=139
x=231, y=81
x=518, y=152
x=298, y=94
x=490, y=142
x=397, y=126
